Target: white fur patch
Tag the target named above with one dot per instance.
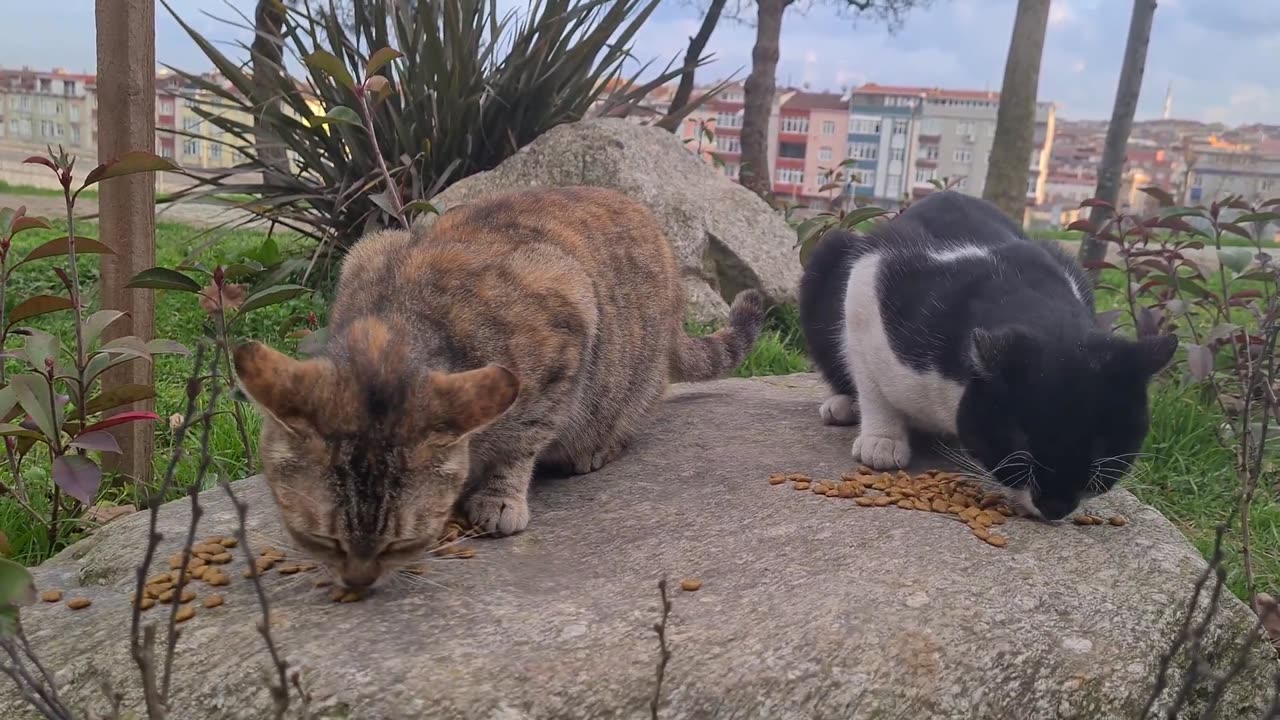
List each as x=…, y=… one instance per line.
x=890, y=393
x=959, y=252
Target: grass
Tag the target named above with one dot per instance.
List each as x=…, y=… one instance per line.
x=33, y=191
x=178, y=317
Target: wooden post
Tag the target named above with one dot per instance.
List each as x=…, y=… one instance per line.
x=126, y=205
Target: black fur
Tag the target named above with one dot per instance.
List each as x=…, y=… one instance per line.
x=1039, y=376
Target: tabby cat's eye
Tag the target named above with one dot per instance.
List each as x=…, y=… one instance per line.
x=322, y=543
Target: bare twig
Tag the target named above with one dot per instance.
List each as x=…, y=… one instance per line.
x=664, y=652
x=142, y=641
x=279, y=689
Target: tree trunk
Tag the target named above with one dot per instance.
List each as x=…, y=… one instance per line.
x=1006, y=184
x=697, y=44
x=267, y=55
x=1094, y=249
x=758, y=97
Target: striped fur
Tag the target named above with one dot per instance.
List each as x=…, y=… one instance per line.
x=538, y=327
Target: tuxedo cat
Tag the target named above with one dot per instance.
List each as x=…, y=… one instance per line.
x=948, y=320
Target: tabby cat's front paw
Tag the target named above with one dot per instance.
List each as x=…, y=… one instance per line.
x=839, y=410
x=498, y=515
x=881, y=453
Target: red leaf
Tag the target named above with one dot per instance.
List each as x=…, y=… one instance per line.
x=1235, y=229
x=135, y=161
x=1096, y=202
x=1100, y=265
x=1083, y=226
x=122, y=419
x=1161, y=196
x=38, y=160
x=78, y=476
x=1199, y=362
x=99, y=440
x=28, y=222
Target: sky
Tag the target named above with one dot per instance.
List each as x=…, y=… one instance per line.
x=1219, y=55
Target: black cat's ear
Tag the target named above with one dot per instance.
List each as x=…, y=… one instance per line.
x=1155, y=353
x=996, y=351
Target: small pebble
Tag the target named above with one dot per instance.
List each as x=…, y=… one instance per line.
x=1118, y=520
x=691, y=585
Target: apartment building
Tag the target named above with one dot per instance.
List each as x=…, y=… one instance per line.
x=905, y=137
x=43, y=108
x=1217, y=168
x=810, y=145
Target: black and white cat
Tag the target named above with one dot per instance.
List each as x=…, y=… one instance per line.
x=948, y=320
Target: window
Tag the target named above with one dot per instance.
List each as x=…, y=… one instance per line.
x=894, y=183
x=1031, y=186
x=924, y=175
x=928, y=152
x=731, y=169
x=25, y=128
x=190, y=102
x=69, y=87
x=964, y=128
x=729, y=119
x=899, y=127
x=729, y=144
x=13, y=102
x=795, y=124
x=215, y=151
x=166, y=151
x=865, y=125
x=792, y=150
x=790, y=176
x=46, y=129
x=75, y=134
x=190, y=123
x=962, y=155
x=898, y=154
x=58, y=130
x=25, y=102
x=931, y=126
x=962, y=184
x=824, y=153
x=828, y=127
x=166, y=106
x=74, y=113
x=864, y=151
x=191, y=147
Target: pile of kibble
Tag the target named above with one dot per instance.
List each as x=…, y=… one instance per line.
x=933, y=491
x=205, y=565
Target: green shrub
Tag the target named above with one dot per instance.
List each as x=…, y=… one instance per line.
x=471, y=90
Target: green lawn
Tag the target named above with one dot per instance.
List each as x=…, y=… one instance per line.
x=1187, y=474
x=178, y=317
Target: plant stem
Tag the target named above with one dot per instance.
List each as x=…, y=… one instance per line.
x=393, y=190
x=220, y=317
x=74, y=288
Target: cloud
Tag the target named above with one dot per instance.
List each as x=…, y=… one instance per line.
x=1061, y=13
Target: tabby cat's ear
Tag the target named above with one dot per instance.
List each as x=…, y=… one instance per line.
x=283, y=389
x=464, y=402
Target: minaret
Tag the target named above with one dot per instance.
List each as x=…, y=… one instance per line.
x=1168, y=101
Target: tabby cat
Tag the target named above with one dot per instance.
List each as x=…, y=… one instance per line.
x=537, y=327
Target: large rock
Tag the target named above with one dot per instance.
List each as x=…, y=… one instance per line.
x=725, y=237
x=810, y=608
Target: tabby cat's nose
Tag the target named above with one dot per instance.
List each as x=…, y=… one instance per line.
x=359, y=575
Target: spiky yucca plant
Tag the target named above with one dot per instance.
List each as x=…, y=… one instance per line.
x=471, y=89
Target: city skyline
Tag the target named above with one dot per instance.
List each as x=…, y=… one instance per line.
x=934, y=48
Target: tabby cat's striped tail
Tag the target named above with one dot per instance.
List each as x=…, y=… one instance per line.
x=707, y=358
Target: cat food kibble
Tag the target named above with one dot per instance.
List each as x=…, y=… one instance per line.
x=79, y=603
x=185, y=613
x=228, y=542
x=935, y=491
x=51, y=596
x=691, y=585
x=213, y=601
